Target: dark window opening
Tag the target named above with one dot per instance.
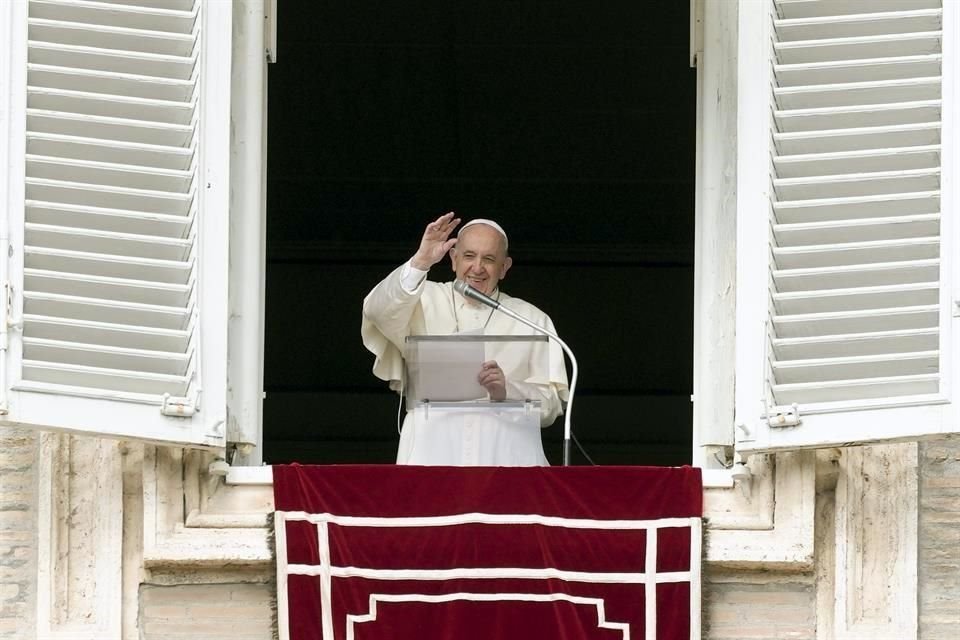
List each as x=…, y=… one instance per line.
x=570, y=123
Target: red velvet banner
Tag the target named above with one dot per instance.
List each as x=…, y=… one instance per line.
x=376, y=552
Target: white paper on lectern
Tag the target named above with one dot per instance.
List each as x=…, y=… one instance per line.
x=447, y=371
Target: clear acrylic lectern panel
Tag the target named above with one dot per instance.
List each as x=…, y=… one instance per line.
x=444, y=368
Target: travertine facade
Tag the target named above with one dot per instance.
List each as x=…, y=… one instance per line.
x=214, y=612
x=18, y=532
x=222, y=593
x=939, y=539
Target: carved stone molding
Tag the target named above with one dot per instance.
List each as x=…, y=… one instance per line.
x=80, y=537
x=192, y=518
x=867, y=568
x=766, y=521
x=747, y=505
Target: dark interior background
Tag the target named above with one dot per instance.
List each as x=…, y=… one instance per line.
x=569, y=122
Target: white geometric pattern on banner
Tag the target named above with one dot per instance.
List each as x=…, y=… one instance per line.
x=326, y=571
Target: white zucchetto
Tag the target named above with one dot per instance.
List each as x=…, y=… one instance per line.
x=489, y=223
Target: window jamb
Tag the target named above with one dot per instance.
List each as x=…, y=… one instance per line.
x=715, y=236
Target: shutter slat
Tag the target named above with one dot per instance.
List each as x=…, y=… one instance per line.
x=867, y=321
x=123, y=289
x=858, y=47
x=127, y=267
x=856, y=367
x=70, y=375
x=105, y=333
x=110, y=106
x=108, y=242
x=857, y=139
x=98, y=310
x=848, y=94
x=109, y=151
x=855, y=344
x=854, y=230
x=856, y=253
x=860, y=161
x=118, y=220
x=858, y=275
x=176, y=5
x=106, y=82
x=848, y=390
x=109, y=128
x=857, y=25
x=100, y=59
x=109, y=174
x=820, y=8
x=134, y=360
x=103, y=357
x=854, y=116
x=106, y=37
x=857, y=184
x=860, y=206
x=125, y=16
x=109, y=197
x=862, y=298
x=856, y=71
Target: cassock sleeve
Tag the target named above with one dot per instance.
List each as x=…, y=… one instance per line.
x=389, y=312
x=548, y=385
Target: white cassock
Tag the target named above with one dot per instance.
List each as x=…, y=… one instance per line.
x=469, y=438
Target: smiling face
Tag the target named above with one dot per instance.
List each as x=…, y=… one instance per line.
x=480, y=257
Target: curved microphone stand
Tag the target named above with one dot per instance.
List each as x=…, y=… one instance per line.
x=467, y=291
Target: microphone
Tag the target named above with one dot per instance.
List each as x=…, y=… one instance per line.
x=467, y=291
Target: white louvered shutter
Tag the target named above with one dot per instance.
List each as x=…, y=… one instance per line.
x=857, y=315
x=117, y=273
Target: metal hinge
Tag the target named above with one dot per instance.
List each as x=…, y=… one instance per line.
x=179, y=407
x=783, y=416
x=11, y=322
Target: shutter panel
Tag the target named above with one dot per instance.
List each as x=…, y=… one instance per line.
x=856, y=284
x=109, y=240
x=115, y=209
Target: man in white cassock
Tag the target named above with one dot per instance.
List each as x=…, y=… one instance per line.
x=405, y=304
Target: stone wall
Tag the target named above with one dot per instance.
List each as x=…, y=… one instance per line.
x=206, y=612
x=939, y=532
x=770, y=605
x=17, y=532
x=738, y=604
x=758, y=605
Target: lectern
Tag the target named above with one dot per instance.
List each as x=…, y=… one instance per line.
x=451, y=408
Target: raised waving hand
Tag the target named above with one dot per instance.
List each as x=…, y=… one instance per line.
x=436, y=242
